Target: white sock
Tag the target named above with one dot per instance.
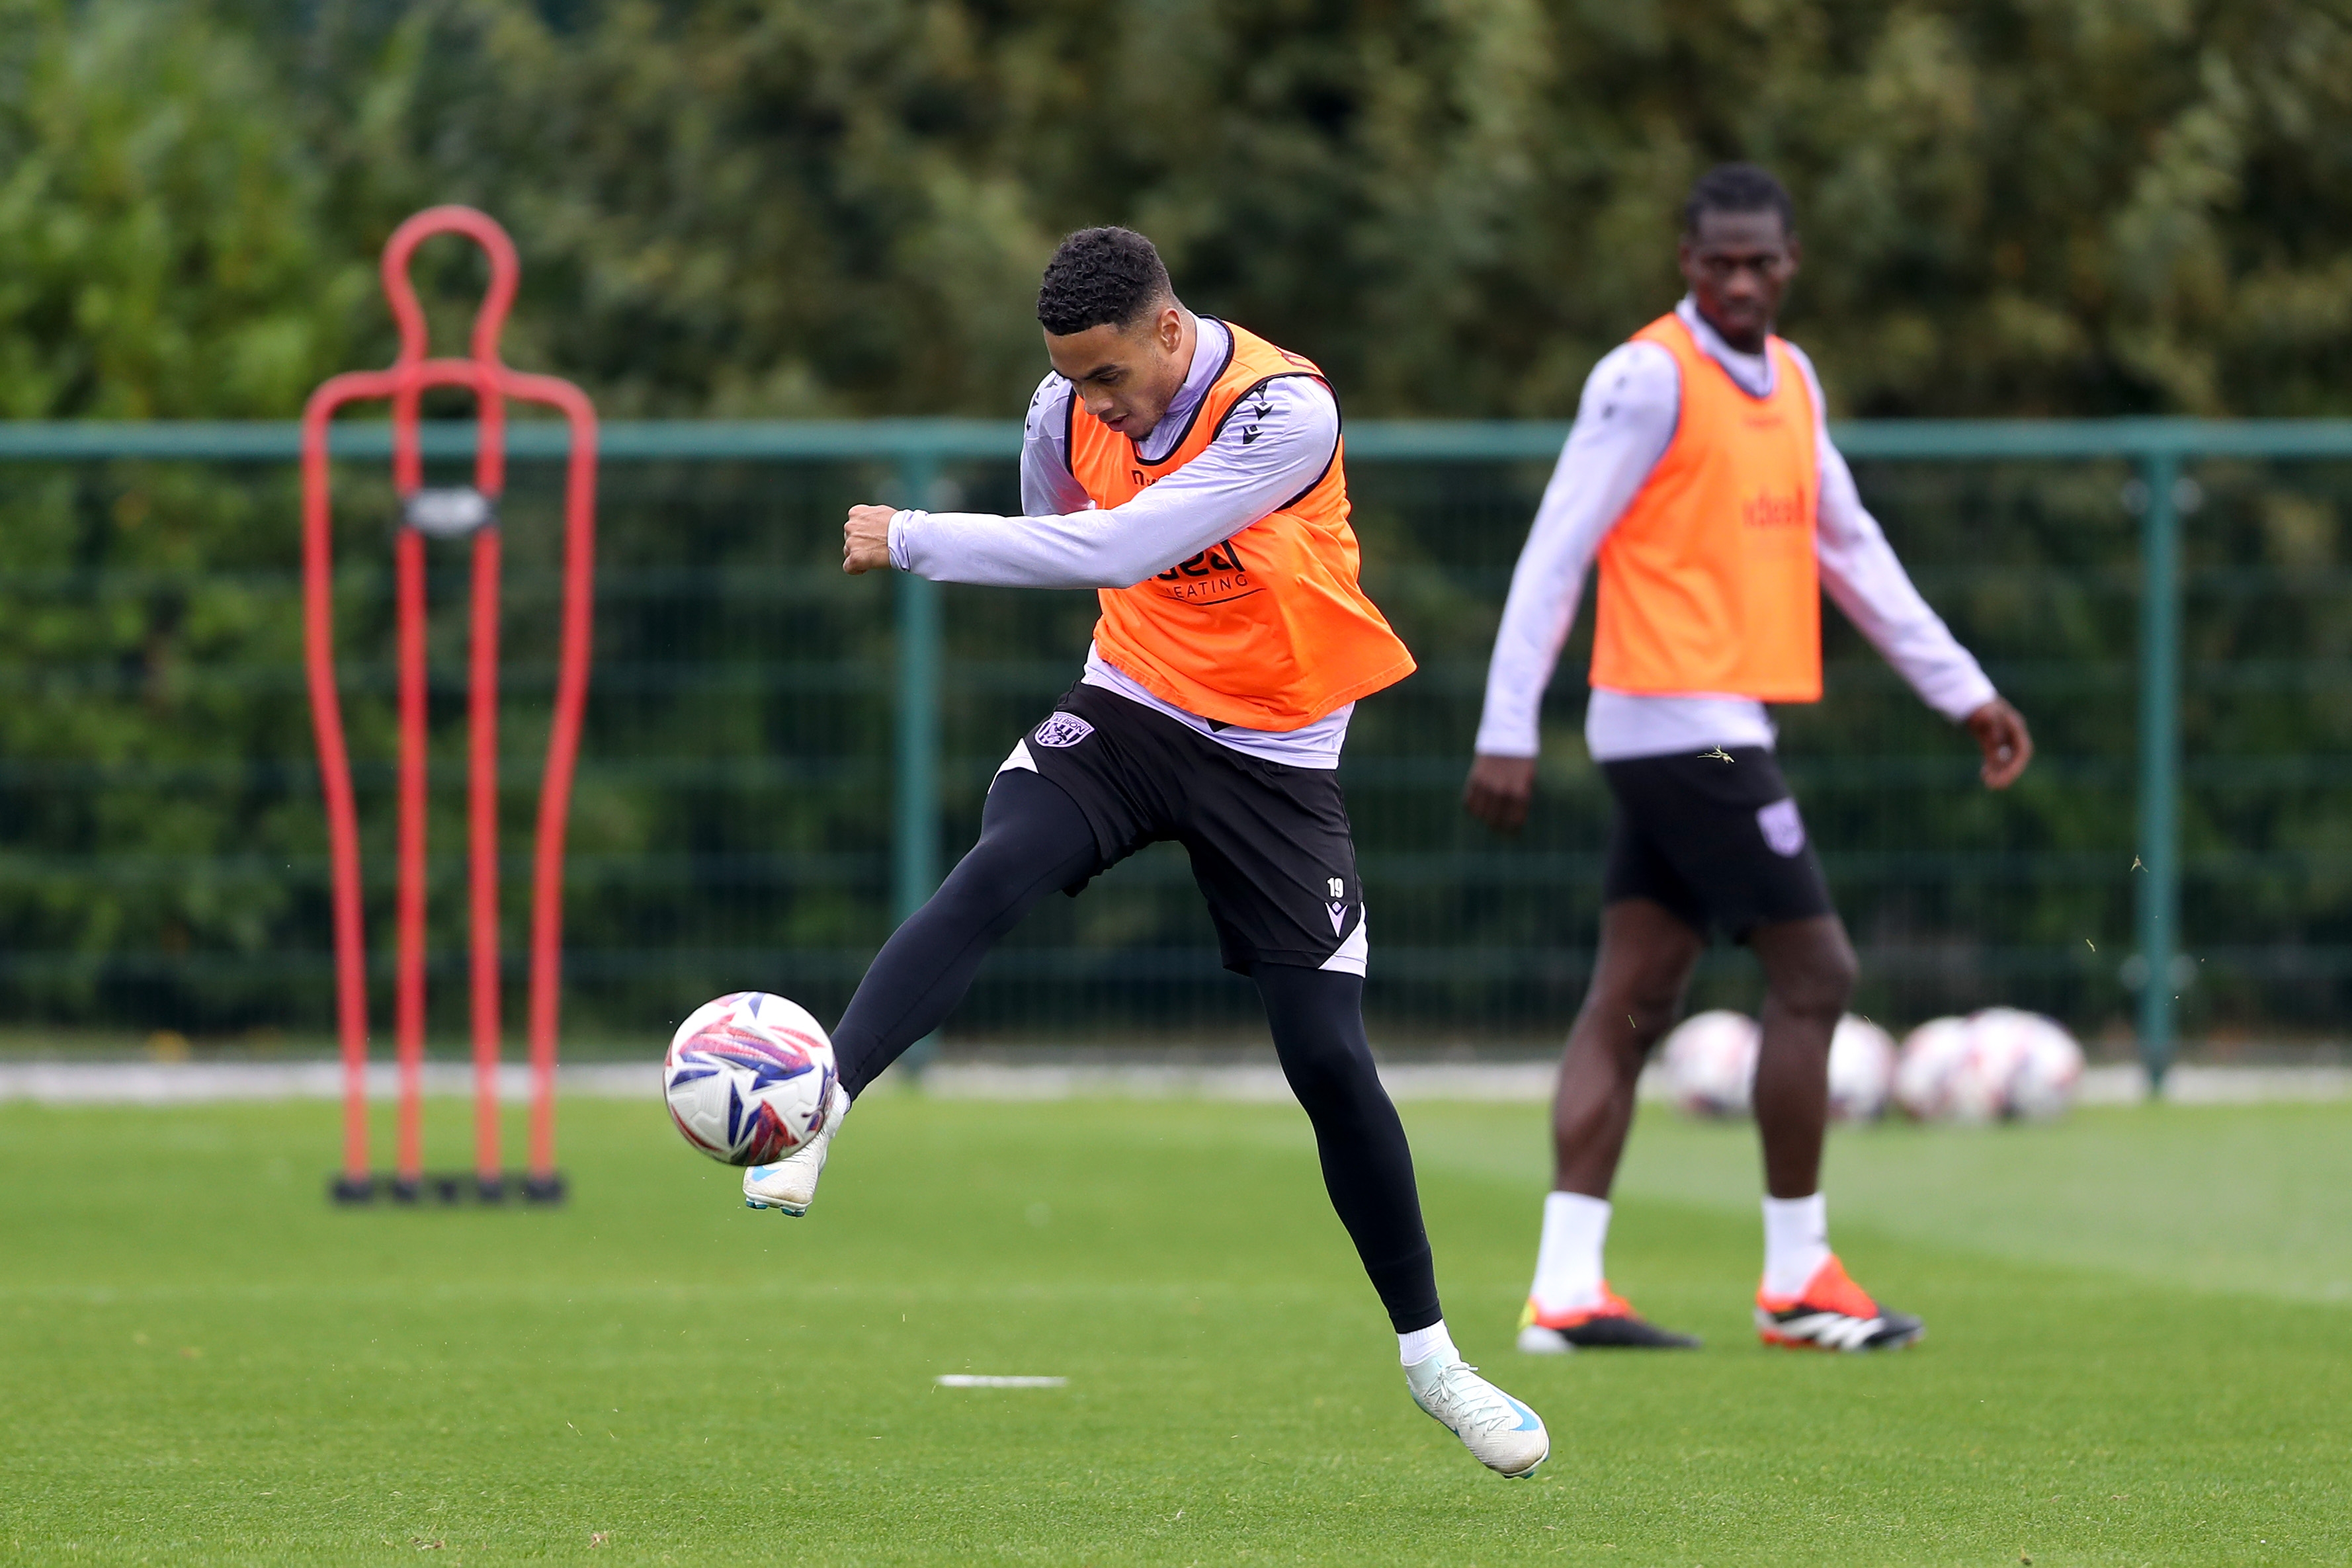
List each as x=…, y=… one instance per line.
x=1418, y=1347
x=1796, y=1242
x=1568, y=1259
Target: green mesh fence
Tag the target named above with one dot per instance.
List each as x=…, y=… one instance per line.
x=743, y=817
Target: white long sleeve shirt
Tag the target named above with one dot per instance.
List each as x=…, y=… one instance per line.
x=1626, y=420
x=1067, y=542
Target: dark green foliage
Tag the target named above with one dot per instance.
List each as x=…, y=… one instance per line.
x=840, y=207
x=164, y=253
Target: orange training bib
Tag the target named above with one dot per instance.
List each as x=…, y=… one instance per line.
x=1268, y=629
x=1709, y=582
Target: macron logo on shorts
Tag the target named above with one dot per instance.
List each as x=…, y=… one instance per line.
x=1062, y=730
x=1784, y=830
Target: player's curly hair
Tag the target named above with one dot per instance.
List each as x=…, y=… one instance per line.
x=1103, y=275
x=1737, y=188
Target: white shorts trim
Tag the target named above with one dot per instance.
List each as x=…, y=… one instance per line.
x=1350, y=958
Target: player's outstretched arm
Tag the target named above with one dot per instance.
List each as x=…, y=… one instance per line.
x=2007, y=744
x=1249, y=470
x=1047, y=488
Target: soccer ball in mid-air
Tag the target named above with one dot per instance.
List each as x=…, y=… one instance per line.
x=1710, y=1063
x=1999, y=1064
x=1862, y=1070
x=748, y=1078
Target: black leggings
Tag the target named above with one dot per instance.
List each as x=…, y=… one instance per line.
x=1034, y=839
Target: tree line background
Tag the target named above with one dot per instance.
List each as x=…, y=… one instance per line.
x=840, y=206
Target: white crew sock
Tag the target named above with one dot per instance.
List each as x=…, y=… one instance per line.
x=1568, y=1259
x=1796, y=1242
x=1418, y=1347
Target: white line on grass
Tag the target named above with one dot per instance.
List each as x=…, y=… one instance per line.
x=972, y=1380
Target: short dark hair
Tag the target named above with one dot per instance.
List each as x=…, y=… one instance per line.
x=1104, y=274
x=1737, y=188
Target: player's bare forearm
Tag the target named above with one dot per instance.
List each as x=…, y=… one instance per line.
x=2008, y=745
x=1499, y=790
x=865, y=539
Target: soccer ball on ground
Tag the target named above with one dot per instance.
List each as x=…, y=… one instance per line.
x=2043, y=1062
x=1978, y=1088
x=749, y=1077
x=1710, y=1063
x=1862, y=1070
x=1999, y=1064
x=1929, y=1061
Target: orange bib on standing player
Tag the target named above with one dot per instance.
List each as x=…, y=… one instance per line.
x=1268, y=629
x=1708, y=582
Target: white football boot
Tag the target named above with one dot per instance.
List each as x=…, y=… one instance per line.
x=790, y=1184
x=1501, y=1434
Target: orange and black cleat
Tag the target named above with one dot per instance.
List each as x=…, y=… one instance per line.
x=1612, y=1325
x=1833, y=1312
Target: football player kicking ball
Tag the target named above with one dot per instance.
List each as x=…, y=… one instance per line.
x=1700, y=472
x=1190, y=472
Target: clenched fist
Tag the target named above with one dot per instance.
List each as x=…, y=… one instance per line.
x=865, y=539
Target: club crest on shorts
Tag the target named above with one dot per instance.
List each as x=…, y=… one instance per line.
x=1784, y=830
x=1061, y=729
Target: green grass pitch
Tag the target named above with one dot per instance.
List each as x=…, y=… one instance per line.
x=2139, y=1351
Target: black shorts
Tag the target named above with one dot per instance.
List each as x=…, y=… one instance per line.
x=1270, y=846
x=1718, y=842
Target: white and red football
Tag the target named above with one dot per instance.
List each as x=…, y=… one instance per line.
x=1926, y=1074
x=1997, y=1065
x=2041, y=1063
x=1862, y=1070
x=748, y=1078
x=1710, y=1063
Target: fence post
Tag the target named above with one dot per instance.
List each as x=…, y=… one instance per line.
x=2159, y=885
x=915, y=848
